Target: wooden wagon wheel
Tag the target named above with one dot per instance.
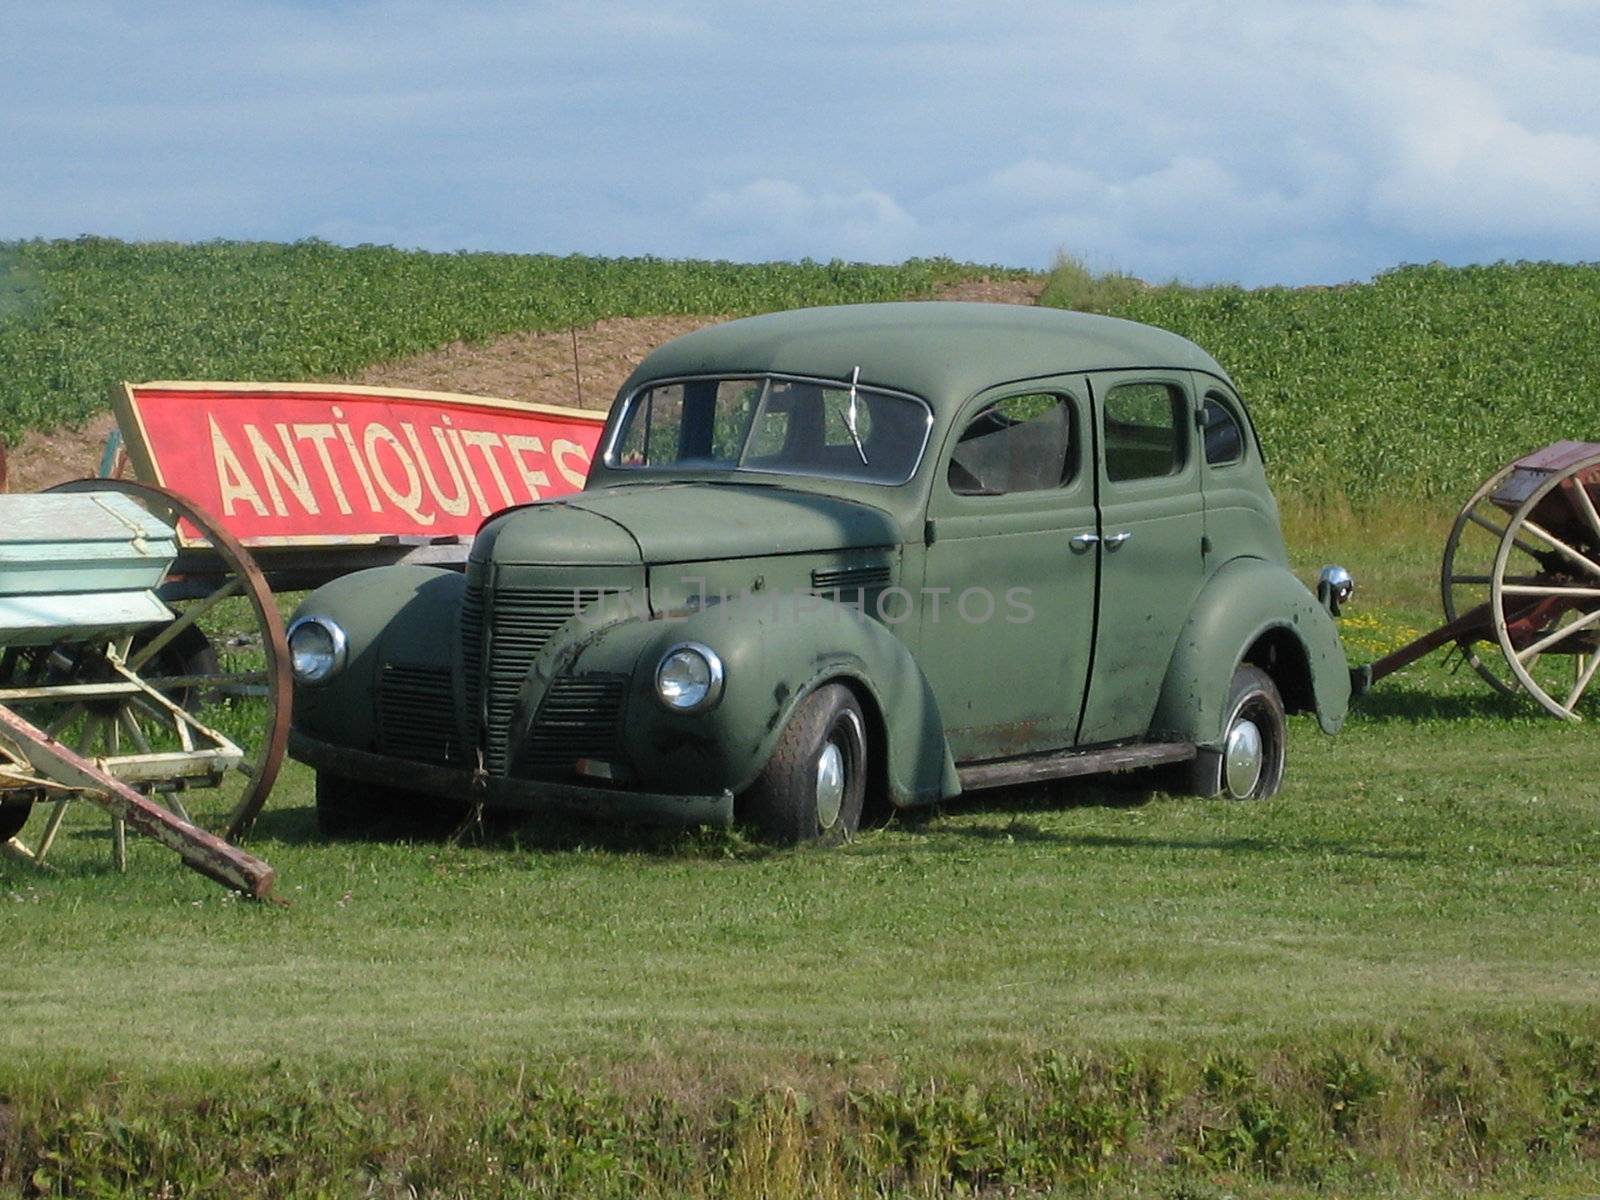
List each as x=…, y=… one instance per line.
x=1468, y=568
x=1548, y=624
x=223, y=661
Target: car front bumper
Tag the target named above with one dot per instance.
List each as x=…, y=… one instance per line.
x=527, y=795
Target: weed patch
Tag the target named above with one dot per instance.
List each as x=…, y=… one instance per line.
x=1294, y=1115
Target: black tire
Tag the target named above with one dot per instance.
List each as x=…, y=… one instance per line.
x=791, y=801
x=13, y=816
x=347, y=808
x=1253, y=699
x=353, y=808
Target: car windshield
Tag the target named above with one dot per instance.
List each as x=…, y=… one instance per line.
x=785, y=426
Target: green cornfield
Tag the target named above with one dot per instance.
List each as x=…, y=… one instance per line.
x=77, y=316
x=1413, y=386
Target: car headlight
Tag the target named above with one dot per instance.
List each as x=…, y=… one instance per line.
x=317, y=649
x=689, y=678
x=1335, y=586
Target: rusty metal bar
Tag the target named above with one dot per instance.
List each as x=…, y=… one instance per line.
x=201, y=851
x=1068, y=764
x=1473, y=625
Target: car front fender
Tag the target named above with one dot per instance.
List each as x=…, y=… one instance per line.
x=775, y=651
x=408, y=613
x=1246, y=601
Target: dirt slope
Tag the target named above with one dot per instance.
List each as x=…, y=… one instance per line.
x=538, y=366
x=521, y=366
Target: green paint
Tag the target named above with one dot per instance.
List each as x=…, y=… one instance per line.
x=1064, y=568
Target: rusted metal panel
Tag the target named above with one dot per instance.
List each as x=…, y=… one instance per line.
x=1073, y=763
x=1533, y=469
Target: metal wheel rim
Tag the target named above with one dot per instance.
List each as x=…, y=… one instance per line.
x=267, y=756
x=830, y=784
x=1514, y=658
x=1243, y=758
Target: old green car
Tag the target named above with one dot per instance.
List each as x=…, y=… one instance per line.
x=840, y=560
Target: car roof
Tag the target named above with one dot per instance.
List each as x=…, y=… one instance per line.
x=943, y=351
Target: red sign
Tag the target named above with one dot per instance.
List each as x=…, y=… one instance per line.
x=284, y=463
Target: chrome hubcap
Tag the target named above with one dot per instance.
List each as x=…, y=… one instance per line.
x=1242, y=758
x=830, y=784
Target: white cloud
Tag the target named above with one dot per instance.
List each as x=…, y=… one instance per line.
x=1264, y=140
x=780, y=218
x=1459, y=166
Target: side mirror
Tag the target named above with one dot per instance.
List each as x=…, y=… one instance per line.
x=1335, y=586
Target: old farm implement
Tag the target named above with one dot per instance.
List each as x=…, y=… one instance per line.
x=141, y=670
x=1520, y=581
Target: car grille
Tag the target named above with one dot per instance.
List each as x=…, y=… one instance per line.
x=861, y=585
x=580, y=718
x=417, y=716
x=519, y=622
x=840, y=579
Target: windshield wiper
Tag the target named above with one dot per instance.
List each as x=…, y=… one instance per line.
x=850, y=414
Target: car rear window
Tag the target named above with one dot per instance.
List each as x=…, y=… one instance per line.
x=1223, y=437
x=1144, y=424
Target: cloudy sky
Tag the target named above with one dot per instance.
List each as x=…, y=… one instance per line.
x=1260, y=141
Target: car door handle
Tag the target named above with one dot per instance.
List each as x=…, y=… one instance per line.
x=1116, y=539
x=1084, y=540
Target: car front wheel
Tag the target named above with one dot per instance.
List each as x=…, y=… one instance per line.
x=813, y=787
x=353, y=809
x=1249, y=764
x=347, y=808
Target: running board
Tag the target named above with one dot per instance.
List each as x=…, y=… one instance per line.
x=1066, y=764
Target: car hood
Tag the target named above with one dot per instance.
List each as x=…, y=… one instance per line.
x=685, y=522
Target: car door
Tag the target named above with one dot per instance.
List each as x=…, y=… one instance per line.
x=1007, y=603
x=1151, y=559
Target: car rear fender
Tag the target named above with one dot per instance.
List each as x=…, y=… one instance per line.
x=1258, y=611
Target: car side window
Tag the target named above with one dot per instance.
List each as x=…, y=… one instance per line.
x=1144, y=424
x=1024, y=443
x=1222, y=435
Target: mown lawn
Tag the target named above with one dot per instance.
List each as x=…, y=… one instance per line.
x=1428, y=875
x=1433, y=863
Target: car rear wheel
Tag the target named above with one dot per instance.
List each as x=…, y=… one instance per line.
x=1249, y=764
x=813, y=787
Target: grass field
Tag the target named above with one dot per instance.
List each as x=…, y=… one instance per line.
x=1408, y=386
x=1382, y=982
x=1382, y=979
x=1434, y=863
x=77, y=316
x=1416, y=384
